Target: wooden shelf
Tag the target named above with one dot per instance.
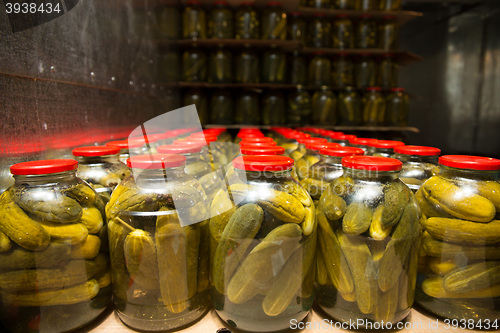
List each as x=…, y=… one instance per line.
x=402, y=57
x=335, y=128
x=402, y=16
x=253, y=86
x=285, y=45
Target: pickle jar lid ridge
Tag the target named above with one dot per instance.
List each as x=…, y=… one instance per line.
x=156, y=161
x=342, y=151
x=262, y=150
x=178, y=149
x=263, y=163
x=469, y=162
x=372, y=163
x=43, y=167
x=417, y=150
x=93, y=151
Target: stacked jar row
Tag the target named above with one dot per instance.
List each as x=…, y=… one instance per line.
x=221, y=66
x=323, y=107
x=353, y=4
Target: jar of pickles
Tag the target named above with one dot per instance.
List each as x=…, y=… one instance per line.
x=419, y=164
x=169, y=21
x=342, y=71
x=389, y=5
x=221, y=66
x=273, y=108
x=297, y=27
x=247, y=108
x=365, y=35
x=373, y=107
x=365, y=4
x=350, y=108
x=344, y=4
x=383, y=148
x=369, y=235
x=311, y=155
x=458, y=277
x=169, y=66
x=54, y=267
x=319, y=3
x=158, y=220
x=365, y=71
x=341, y=139
x=325, y=171
x=100, y=167
x=246, y=69
x=194, y=65
x=220, y=21
x=299, y=106
x=221, y=108
x=247, y=23
x=388, y=33
x=397, y=107
x=262, y=257
x=324, y=107
x=387, y=71
x=274, y=21
x=194, y=21
x=274, y=66
x=319, y=31
x=194, y=166
x=297, y=69
x=362, y=143
x=319, y=70
x=342, y=33
x=199, y=99
x=128, y=148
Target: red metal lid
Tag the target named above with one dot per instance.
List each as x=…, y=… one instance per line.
x=186, y=142
x=295, y=14
x=364, y=16
x=257, y=140
x=262, y=150
x=305, y=141
x=398, y=89
x=470, y=162
x=417, y=150
x=343, y=137
x=385, y=144
x=321, y=145
x=126, y=144
x=206, y=138
x=373, y=89
x=250, y=134
x=156, y=161
x=372, y=163
x=263, y=163
x=178, y=149
x=362, y=141
x=342, y=151
x=319, y=14
x=96, y=151
x=258, y=144
x=319, y=52
x=43, y=167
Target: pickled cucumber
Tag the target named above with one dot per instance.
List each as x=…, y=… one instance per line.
x=434, y=287
x=396, y=196
x=19, y=258
x=140, y=259
x=357, y=218
x=463, y=232
x=92, y=219
x=89, y=249
x=473, y=277
x=332, y=205
x=5, y=243
x=445, y=250
x=74, y=233
x=51, y=206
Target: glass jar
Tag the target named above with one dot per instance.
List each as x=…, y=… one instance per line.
x=54, y=263
x=263, y=290
x=221, y=66
x=344, y=4
x=195, y=166
x=199, y=99
x=158, y=245
x=365, y=5
x=297, y=69
x=419, y=164
x=324, y=107
x=319, y=70
x=221, y=107
x=319, y=3
x=297, y=27
x=273, y=22
x=457, y=279
x=327, y=169
x=342, y=33
x=128, y=148
x=397, y=107
x=292, y=147
x=274, y=66
x=389, y=5
x=373, y=107
x=367, y=269
x=387, y=71
x=169, y=22
x=388, y=33
x=220, y=21
x=194, y=21
x=342, y=71
x=247, y=24
x=365, y=71
x=169, y=67
x=247, y=109
x=194, y=66
x=246, y=67
x=299, y=106
x=273, y=108
x=383, y=148
x=350, y=108
x=311, y=155
x=100, y=167
x=319, y=31
x=365, y=35
x=362, y=143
